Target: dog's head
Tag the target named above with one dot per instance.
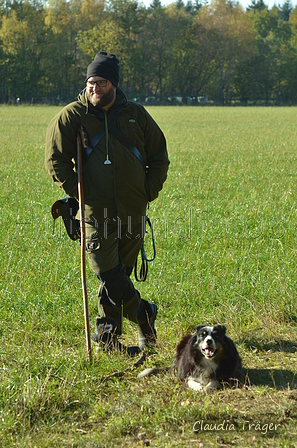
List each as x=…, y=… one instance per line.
x=210, y=339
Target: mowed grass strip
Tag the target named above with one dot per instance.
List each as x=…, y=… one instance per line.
x=225, y=227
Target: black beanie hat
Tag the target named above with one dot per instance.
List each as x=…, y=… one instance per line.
x=105, y=65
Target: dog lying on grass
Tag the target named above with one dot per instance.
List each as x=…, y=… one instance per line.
x=206, y=359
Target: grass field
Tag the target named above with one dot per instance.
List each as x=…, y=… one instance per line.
x=225, y=227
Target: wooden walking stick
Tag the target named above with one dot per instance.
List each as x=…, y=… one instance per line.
x=80, y=136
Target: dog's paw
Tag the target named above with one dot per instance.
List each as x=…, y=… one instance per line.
x=212, y=385
x=193, y=384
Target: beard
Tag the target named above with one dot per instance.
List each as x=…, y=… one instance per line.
x=103, y=98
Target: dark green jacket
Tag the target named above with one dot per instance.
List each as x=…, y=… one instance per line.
x=123, y=188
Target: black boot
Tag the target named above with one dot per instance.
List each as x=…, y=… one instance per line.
x=108, y=341
x=146, y=317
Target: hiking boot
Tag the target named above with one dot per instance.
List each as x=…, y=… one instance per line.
x=147, y=334
x=108, y=341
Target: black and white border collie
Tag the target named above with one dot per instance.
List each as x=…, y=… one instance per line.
x=206, y=359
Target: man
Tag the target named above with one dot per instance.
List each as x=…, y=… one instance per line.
x=117, y=189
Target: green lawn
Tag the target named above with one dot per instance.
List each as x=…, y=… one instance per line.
x=225, y=226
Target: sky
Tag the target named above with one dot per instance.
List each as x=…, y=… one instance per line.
x=244, y=3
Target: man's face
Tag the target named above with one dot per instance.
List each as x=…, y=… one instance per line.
x=100, y=96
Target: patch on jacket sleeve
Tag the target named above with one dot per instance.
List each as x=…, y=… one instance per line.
x=93, y=245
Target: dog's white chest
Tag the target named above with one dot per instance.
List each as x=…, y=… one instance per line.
x=203, y=378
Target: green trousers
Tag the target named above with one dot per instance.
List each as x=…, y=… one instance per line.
x=112, y=252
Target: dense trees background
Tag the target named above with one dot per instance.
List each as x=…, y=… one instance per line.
x=172, y=54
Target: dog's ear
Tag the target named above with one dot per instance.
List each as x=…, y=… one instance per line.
x=220, y=329
x=199, y=327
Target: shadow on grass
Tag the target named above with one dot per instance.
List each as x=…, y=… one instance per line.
x=277, y=378
x=280, y=345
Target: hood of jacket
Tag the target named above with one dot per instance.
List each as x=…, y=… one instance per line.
x=120, y=102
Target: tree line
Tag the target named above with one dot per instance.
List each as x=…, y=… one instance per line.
x=190, y=52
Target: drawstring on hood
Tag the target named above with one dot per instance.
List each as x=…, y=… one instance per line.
x=107, y=161
x=121, y=101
